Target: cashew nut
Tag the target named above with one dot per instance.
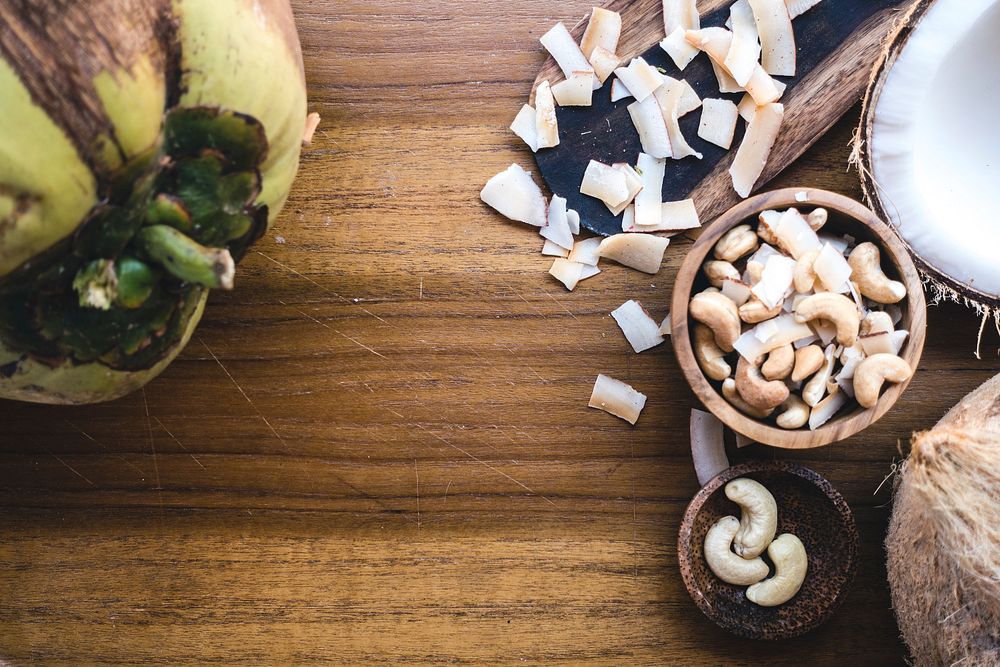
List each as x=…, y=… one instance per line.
x=834, y=308
x=736, y=243
x=719, y=313
x=817, y=218
x=877, y=321
x=804, y=276
x=730, y=393
x=794, y=413
x=755, y=311
x=873, y=372
x=759, y=518
x=816, y=388
x=710, y=356
x=779, y=363
x=721, y=560
x=808, y=360
x=717, y=271
x=866, y=263
x=790, y=564
x=755, y=270
x=755, y=390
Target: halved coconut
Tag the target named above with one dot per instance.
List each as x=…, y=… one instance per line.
x=642, y=252
x=774, y=25
x=524, y=126
x=560, y=44
x=647, y=203
x=617, y=398
x=649, y=123
x=928, y=145
x=741, y=60
x=603, y=30
x=516, y=196
x=751, y=157
x=576, y=91
x=546, y=125
x=640, y=330
x=718, y=122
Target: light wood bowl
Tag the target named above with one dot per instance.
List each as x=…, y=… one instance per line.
x=846, y=217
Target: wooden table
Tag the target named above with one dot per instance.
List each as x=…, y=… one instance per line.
x=378, y=447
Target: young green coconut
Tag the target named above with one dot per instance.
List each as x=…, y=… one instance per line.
x=144, y=146
x=928, y=148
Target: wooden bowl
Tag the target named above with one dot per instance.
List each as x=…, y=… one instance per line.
x=846, y=217
x=809, y=508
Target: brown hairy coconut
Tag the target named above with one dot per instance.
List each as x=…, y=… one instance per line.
x=944, y=538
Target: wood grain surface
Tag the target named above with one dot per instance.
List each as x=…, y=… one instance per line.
x=377, y=449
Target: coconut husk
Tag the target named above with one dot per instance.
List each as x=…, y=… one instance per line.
x=943, y=545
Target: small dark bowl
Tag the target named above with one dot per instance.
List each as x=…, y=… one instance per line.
x=809, y=508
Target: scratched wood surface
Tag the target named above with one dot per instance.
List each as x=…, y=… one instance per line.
x=377, y=448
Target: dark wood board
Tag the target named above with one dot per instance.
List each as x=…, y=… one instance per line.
x=837, y=43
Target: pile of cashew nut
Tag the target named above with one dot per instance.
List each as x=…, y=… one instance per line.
x=797, y=323
x=733, y=547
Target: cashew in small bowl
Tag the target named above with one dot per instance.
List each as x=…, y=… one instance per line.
x=710, y=356
x=717, y=271
x=794, y=413
x=755, y=311
x=755, y=390
x=759, y=519
x=817, y=218
x=736, y=243
x=780, y=363
x=730, y=393
x=725, y=564
x=808, y=360
x=804, y=277
x=790, y=565
x=719, y=314
x=837, y=309
x=873, y=372
x=866, y=264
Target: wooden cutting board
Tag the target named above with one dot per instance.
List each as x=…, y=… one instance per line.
x=838, y=42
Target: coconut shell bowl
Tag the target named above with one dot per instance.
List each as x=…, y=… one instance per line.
x=846, y=217
x=809, y=508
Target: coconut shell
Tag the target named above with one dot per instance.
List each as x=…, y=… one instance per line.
x=943, y=545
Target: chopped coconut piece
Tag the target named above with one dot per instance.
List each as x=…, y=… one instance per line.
x=727, y=84
x=668, y=97
x=832, y=269
x=514, y=194
x=558, y=230
x=605, y=183
x=576, y=91
x=652, y=129
x=604, y=63
x=895, y=312
x=649, y=199
x=617, y=398
x=737, y=290
x=897, y=339
x=765, y=330
x=879, y=343
x=640, y=78
x=795, y=235
x=567, y=272
x=838, y=242
x=603, y=30
x=587, y=251
x=775, y=280
x=751, y=157
x=800, y=7
x=573, y=218
x=588, y=272
x=312, y=122
x=680, y=14
x=678, y=48
x=634, y=186
x=640, y=330
x=826, y=331
x=666, y=325
x=788, y=331
x=741, y=60
x=561, y=45
x=619, y=91
x=802, y=342
x=747, y=107
x=708, y=449
x=826, y=409
x=550, y=249
x=641, y=252
x=689, y=100
x=546, y=126
x=524, y=126
x=675, y=216
x=777, y=38
x=628, y=219
x=716, y=42
x=718, y=122
x=802, y=196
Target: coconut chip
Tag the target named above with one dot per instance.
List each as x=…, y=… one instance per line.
x=799, y=7
x=675, y=216
x=558, y=230
x=634, y=186
x=826, y=409
x=606, y=183
x=617, y=398
x=747, y=107
x=741, y=59
x=604, y=63
x=678, y=48
x=718, y=122
x=640, y=78
x=514, y=195
x=647, y=203
x=716, y=42
x=619, y=91
x=628, y=220
x=751, y=157
x=725, y=81
x=561, y=46
x=576, y=91
x=649, y=123
x=788, y=331
x=640, y=330
x=550, y=249
x=573, y=218
x=588, y=272
x=546, y=126
x=736, y=290
x=641, y=252
x=708, y=448
x=689, y=100
x=666, y=326
x=832, y=269
x=777, y=39
x=587, y=251
x=668, y=98
x=795, y=235
x=567, y=272
x=603, y=31
x=312, y=122
x=524, y=126
x=680, y=14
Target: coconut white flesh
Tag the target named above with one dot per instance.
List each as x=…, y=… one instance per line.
x=576, y=91
x=795, y=234
x=716, y=42
x=826, y=331
x=524, y=126
x=634, y=186
x=678, y=49
x=312, y=122
x=619, y=91
x=640, y=78
x=879, y=343
x=642, y=252
x=708, y=449
x=628, y=220
x=603, y=30
x=587, y=251
x=604, y=63
x=838, y=242
x=689, y=100
x=826, y=409
x=765, y=330
x=803, y=342
x=649, y=123
x=647, y=202
x=668, y=98
x=573, y=218
x=736, y=290
x=787, y=331
x=567, y=272
x=588, y=272
x=641, y=332
x=832, y=269
x=777, y=39
x=751, y=157
x=898, y=339
x=744, y=51
x=680, y=14
x=799, y=7
x=718, y=122
x=617, y=398
x=558, y=230
x=747, y=107
x=546, y=125
x=514, y=195
x=605, y=183
x=727, y=84
x=935, y=145
x=666, y=325
x=675, y=216
x=561, y=46
x=802, y=197
x=550, y=249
